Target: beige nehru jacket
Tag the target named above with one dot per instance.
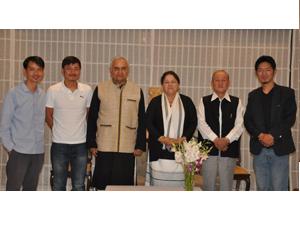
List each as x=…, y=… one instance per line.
x=118, y=117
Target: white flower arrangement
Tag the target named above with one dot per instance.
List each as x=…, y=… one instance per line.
x=188, y=152
x=191, y=155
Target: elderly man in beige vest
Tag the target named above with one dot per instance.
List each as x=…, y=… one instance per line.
x=116, y=127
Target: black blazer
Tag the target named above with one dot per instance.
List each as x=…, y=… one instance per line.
x=154, y=123
x=283, y=116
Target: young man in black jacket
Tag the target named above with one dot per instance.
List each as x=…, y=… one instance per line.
x=270, y=115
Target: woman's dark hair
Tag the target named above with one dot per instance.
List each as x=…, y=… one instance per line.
x=35, y=59
x=267, y=59
x=70, y=60
x=162, y=79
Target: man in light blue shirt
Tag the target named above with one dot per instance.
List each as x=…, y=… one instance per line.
x=22, y=128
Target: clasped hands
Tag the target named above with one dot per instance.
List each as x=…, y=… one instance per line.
x=170, y=141
x=221, y=143
x=266, y=139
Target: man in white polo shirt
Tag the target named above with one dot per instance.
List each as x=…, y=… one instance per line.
x=67, y=106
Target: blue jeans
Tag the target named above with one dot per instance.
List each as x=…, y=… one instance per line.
x=61, y=156
x=271, y=171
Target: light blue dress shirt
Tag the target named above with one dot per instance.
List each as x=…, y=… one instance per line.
x=23, y=120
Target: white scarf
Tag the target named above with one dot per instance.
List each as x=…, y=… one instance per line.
x=173, y=117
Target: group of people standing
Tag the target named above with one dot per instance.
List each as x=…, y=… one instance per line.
x=111, y=122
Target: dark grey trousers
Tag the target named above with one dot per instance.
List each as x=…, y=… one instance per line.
x=23, y=170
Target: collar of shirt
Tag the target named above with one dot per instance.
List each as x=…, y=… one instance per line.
x=68, y=90
x=119, y=86
x=215, y=96
x=25, y=88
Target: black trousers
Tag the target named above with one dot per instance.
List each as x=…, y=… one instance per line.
x=23, y=170
x=113, y=168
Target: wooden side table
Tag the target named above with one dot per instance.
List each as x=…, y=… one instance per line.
x=241, y=174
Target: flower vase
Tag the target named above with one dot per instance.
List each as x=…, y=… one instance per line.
x=188, y=180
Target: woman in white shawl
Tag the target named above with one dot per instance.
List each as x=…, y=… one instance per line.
x=171, y=117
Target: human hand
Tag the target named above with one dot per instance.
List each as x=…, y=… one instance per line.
x=225, y=143
x=221, y=143
x=180, y=140
x=269, y=140
x=93, y=151
x=137, y=152
x=266, y=140
x=217, y=143
x=166, y=140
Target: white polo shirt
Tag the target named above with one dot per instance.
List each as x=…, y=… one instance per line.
x=69, y=112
